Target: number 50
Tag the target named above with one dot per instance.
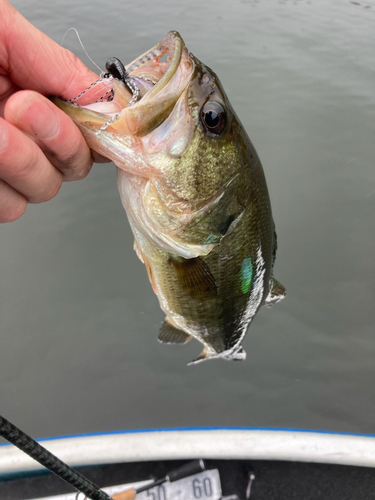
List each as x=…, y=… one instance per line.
x=157, y=493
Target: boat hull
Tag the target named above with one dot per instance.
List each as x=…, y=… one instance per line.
x=286, y=464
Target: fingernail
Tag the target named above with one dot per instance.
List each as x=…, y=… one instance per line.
x=39, y=120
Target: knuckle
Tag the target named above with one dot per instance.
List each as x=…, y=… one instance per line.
x=50, y=191
x=13, y=212
x=55, y=189
x=84, y=173
x=75, y=165
x=70, y=153
x=26, y=167
x=71, y=159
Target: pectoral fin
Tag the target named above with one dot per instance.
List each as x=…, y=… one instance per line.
x=194, y=277
x=277, y=292
x=169, y=334
x=138, y=252
x=146, y=262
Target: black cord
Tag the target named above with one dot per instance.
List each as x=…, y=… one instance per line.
x=26, y=444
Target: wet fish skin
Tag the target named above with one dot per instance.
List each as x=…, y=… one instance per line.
x=220, y=321
x=200, y=212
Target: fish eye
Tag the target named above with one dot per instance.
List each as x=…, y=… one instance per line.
x=213, y=116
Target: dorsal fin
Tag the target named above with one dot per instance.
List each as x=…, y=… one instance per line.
x=169, y=334
x=194, y=277
x=277, y=292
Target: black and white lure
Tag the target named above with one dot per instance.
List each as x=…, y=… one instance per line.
x=116, y=69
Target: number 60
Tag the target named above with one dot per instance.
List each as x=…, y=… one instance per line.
x=199, y=489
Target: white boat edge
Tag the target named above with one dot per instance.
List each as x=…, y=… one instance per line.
x=240, y=444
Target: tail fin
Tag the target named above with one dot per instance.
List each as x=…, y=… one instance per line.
x=277, y=292
x=238, y=355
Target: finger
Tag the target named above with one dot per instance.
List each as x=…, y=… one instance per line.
x=38, y=63
x=12, y=203
x=53, y=131
x=24, y=167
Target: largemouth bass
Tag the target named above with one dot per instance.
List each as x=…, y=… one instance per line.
x=193, y=189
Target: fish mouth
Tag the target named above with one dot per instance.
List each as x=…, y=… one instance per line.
x=141, y=106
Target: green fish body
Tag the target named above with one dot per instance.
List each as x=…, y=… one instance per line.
x=195, y=194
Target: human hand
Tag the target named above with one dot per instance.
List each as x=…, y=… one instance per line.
x=40, y=147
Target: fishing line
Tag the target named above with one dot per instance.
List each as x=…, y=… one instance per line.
x=109, y=122
x=80, y=41
x=108, y=95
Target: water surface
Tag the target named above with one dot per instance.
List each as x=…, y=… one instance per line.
x=79, y=321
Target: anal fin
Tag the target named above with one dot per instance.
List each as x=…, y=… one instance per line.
x=202, y=357
x=169, y=334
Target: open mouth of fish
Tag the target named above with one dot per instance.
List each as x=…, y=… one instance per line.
x=136, y=98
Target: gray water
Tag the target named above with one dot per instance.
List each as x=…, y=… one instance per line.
x=79, y=320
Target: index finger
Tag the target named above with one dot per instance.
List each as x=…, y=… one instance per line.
x=53, y=131
x=45, y=66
